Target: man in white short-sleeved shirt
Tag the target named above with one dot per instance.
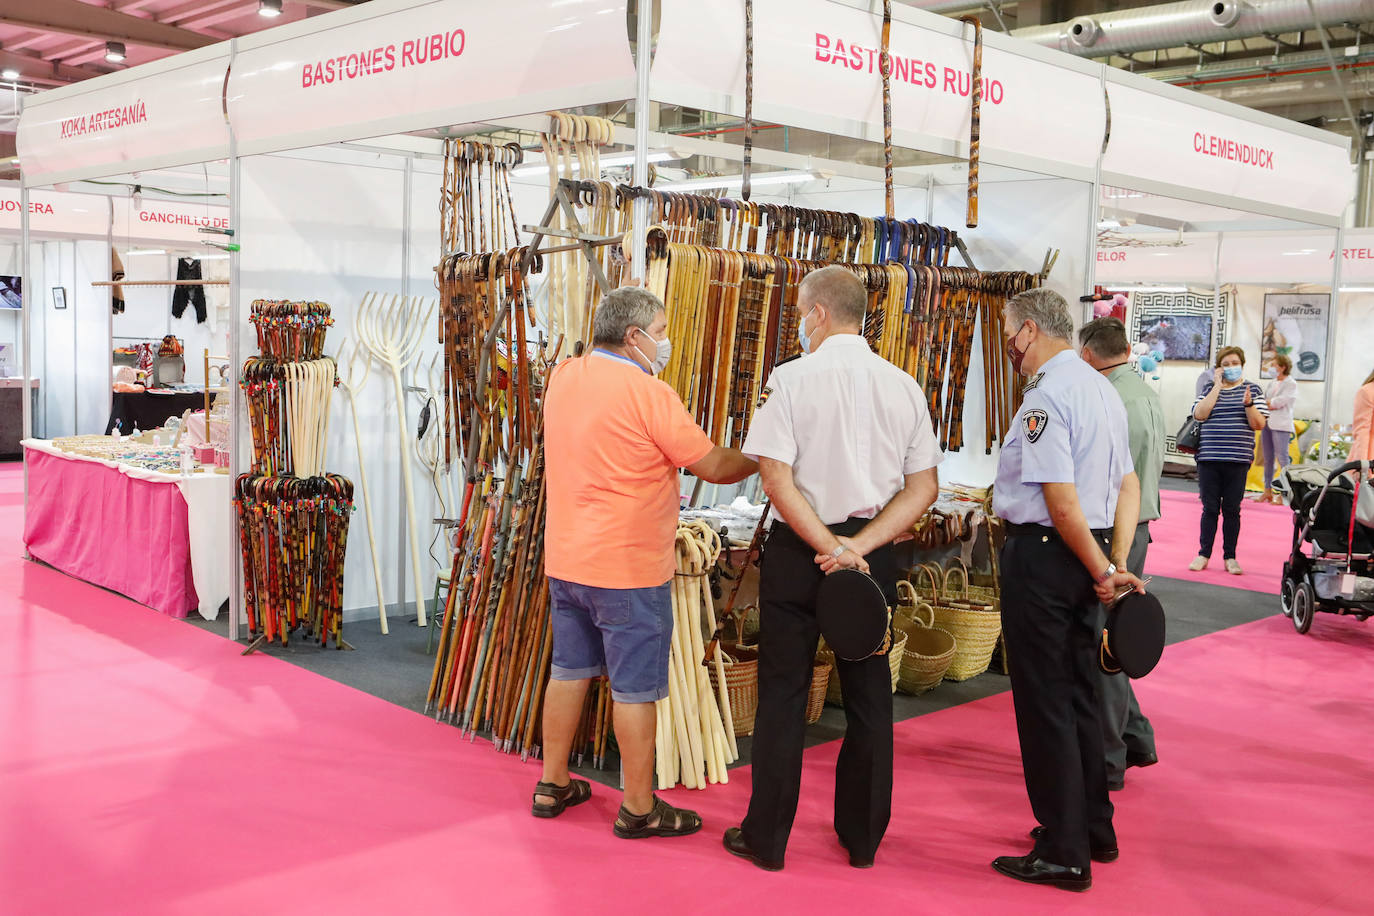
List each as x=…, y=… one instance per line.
x=847, y=455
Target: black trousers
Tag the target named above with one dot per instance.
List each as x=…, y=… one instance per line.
x=788, y=637
x=1049, y=617
x=1222, y=487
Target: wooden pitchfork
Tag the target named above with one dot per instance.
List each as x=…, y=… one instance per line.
x=353, y=372
x=391, y=328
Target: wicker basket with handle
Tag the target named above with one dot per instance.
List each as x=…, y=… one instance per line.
x=815, y=700
x=974, y=624
x=894, y=661
x=741, y=686
x=927, y=655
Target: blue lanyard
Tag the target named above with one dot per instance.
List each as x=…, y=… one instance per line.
x=625, y=359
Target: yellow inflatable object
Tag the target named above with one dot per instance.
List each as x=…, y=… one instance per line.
x=1254, y=481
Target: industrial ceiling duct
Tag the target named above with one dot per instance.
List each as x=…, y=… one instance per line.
x=1224, y=13
x=1172, y=25
x=1084, y=31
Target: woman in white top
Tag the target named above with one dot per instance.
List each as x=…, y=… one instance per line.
x=1281, y=394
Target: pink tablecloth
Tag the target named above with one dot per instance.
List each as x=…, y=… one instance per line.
x=115, y=531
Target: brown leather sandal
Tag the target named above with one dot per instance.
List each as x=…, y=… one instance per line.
x=574, y=793
x=656, y=823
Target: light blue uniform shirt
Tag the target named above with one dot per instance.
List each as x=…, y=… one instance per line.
x=1071, y=429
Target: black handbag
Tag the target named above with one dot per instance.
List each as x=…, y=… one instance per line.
x=1189, y=436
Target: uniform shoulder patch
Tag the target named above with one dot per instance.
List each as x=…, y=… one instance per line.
x=1032, y=382
x=1034, y=421
x=763, y=397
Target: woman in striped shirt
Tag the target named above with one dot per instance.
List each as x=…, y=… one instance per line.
x=1229, y=412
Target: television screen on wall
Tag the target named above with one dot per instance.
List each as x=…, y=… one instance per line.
x=1179, y=337
x=10, y=294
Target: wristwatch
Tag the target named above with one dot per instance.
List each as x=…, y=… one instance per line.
x=835, y=554
x=1107, y=573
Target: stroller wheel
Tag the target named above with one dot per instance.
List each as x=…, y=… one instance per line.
x=1286, y=593
x=1304, y=607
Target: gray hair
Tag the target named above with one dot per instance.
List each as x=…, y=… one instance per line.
x=622, y=309
x=1046, y=308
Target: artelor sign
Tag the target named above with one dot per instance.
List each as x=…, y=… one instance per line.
x=1295, y=326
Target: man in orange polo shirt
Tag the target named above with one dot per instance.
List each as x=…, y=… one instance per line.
x=614, y=437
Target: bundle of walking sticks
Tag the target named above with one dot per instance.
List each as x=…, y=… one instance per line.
x=293, y=533
x=695, y=742
x=293, y=516
x=733, y=316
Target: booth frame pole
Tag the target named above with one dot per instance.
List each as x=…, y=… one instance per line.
x=1095, y=210
x=25, y=278
x=1332, y=319
x=1216, y=298
x=644, y=31
x=236, y=611
x=403, y=530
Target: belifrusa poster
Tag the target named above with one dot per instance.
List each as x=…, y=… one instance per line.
x=1295, y=326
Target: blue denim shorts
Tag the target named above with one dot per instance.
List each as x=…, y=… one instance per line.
x=623, y=632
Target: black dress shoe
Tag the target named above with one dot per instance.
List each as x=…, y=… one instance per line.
x=856, y=860
x=736, y=846
x=1141, y=760
x=1034, y=870
x=1098, y=855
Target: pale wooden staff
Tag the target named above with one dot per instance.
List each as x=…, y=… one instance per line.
x=353, y=382
x=392, y=334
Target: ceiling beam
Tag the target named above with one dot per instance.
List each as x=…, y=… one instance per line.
x=187, y=11
x=42, y=72
x=28, y=41
x=82, y=19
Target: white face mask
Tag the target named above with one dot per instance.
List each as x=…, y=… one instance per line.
x=804, y=338
x=663, y=351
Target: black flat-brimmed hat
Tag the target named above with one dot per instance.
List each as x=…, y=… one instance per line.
x=853, y=615
x=1133, y=639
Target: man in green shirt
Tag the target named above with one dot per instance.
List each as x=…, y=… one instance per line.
x=1128, y=735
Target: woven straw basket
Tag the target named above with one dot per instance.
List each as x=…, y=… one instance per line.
x=975, y=624
x=741, y=686
x=928, y=654
x=894, y=661
x=815, y=701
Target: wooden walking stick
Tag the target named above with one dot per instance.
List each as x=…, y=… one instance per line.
x=392, y=333
x=352, y=382
x=975, y=122
x=885, y=67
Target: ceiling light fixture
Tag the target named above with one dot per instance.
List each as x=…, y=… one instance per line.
x=269, y=8
x=9, y=73
x=760, y=179
x=114, y=51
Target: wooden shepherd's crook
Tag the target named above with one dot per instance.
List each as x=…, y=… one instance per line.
x=975, y=123
x=353, y=382
x=392, y=332
x=885, y=67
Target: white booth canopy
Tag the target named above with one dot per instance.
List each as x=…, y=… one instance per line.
x=68, y=215
x=1274, y=258
x=393, y=66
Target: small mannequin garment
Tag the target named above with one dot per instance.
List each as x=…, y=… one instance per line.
x=188, y=269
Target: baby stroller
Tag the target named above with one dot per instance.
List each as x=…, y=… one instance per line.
x=1337, y=576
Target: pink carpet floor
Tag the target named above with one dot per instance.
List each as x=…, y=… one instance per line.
x=147, y=768
x=1266, y=534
